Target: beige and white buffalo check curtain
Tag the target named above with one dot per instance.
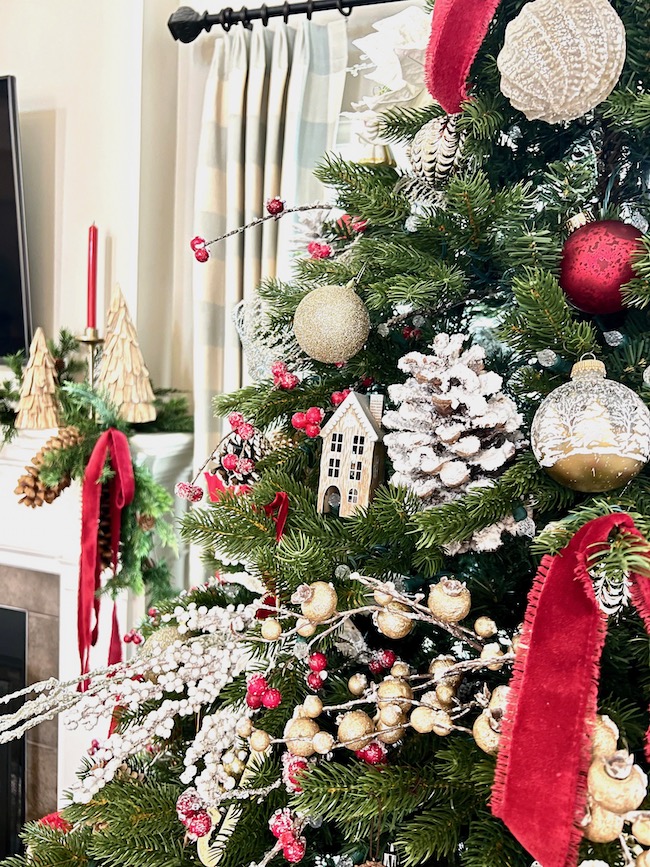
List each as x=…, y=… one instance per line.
x=272, y=101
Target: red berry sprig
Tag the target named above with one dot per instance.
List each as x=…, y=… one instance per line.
x=188, y=491
x=318, y=250
x=317, y=674
x=133, y=637
x=275, y=206
x=284, y=826
x=382, y=660
x=282, y=376
x=308, y=421
x=240, y=426
x=260, y=694
x=338, y=397
x=373, y=753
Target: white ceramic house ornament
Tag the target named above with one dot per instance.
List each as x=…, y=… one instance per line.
x=352, y=460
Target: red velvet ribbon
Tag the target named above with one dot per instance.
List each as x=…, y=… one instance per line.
x=540, y=788
x=278, y=511
x=113, y=445
x=457, y=30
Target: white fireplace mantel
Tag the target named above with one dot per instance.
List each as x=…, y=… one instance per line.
x=47, y=539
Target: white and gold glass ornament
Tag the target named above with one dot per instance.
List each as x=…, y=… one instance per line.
x=591, y=434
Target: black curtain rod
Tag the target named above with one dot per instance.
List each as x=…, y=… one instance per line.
x=185, y=24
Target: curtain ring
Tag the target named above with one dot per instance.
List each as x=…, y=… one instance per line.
x=225, y=18
x=344, y=12
x=310, y=9
x=286, y=11
x=244, y=18
x=264, y=14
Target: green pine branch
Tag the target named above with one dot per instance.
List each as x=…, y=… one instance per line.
x=543, y=319
x=365, y=190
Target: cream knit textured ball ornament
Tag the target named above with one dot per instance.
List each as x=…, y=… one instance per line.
x=561, y=58
x=331, y=323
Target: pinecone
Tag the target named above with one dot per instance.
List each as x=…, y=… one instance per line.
x=237, y=458
x=30, y=488
x=104, y=528
x=436, y=150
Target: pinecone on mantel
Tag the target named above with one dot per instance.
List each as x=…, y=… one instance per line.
x=30, y=487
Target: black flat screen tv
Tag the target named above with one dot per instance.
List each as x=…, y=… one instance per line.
x=15, y=307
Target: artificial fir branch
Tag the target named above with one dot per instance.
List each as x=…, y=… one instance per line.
x=544, y=320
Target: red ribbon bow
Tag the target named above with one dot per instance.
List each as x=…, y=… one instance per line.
x=216, y=487
x=540, y=786
x=111, y=444
x=278, y=511
x=457, y=30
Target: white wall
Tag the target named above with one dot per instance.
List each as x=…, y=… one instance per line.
x=96, y=82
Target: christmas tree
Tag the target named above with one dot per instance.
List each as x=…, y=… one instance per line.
x=454, y=674
x=37, y=407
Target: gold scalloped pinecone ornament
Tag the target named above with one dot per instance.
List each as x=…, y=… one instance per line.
x=436, y=150
x=30, y=487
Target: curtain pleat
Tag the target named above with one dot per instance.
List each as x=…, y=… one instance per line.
x=271, y=105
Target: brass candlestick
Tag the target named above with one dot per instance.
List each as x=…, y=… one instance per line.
x=91, y=339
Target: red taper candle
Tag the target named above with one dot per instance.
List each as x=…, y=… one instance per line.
x=92, y=277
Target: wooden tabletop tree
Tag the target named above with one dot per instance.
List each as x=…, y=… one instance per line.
x=123, y=375
x=38, y=407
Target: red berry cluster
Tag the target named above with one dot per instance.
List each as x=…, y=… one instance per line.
x=318, y=250
x=245, y=430
x=292, y=767
x=317, y=663
x=275, y=206
x=338, y=397
x=133, y=637
x=353, y=224
x=267, y=608
x=94, y=746
x=260, y=694
x=188, y=491
x=411, y=333
x=56, y=821
x=373, y=753
x=282, y=377
x=199, y=249
x=233, y=463
x=381, y=660
x=284, y=827
x=191, y=811
x=308, y=421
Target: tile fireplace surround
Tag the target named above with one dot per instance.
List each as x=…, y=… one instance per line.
x=39, y=561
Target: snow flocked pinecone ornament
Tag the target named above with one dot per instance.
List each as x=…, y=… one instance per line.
x=454, y=430
x=238, y=456
x=30, y=487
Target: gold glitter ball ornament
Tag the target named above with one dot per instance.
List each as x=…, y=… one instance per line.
x=331, y=323
x=591, y=434
x=604, y=826
x=391, y=623
x=356, y=730
x=393, y=691
x=641, y=828
x=561, y=58
x=299, y=736
x=322, y=603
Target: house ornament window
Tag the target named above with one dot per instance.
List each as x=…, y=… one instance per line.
x=355, y=471
x=334, y=468
x=358, y=443
x=337, y=442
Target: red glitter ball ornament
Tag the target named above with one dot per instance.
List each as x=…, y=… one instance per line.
x=596, y=261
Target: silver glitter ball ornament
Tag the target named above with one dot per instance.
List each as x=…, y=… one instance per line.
x=591, y=434
x=331, y=323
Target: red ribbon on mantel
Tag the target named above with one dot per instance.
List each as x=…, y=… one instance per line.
x=457, y=30
x=540, y=788
x=112, y=445
x=278, y=511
